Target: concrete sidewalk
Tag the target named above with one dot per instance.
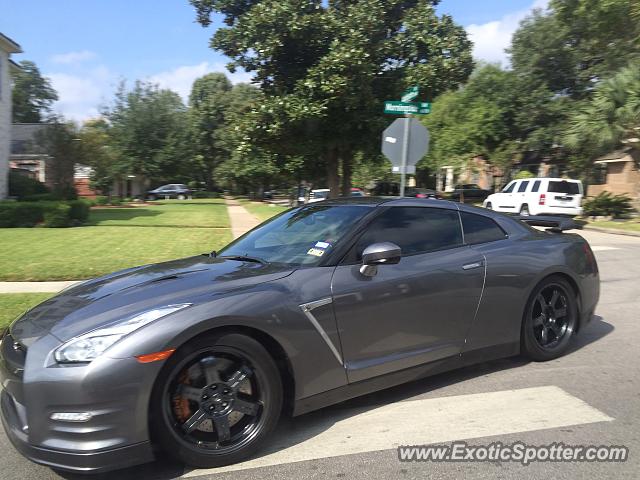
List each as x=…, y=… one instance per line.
x=35, y=287
x=241, y=220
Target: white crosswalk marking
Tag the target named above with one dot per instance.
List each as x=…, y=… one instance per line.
x=419, y=422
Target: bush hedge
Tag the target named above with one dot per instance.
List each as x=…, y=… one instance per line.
x=607, y=204
x=47, y=214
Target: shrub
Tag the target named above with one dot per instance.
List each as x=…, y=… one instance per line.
x=606, y=204
x=21, y=186
x=15, y=214
x=79, y=210
x=203, y=194
x=41, y=197
x=57, y=215
x=524, y=174
x=101, y=200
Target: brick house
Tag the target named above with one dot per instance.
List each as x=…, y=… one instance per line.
x=618, y=173
x=7, y=48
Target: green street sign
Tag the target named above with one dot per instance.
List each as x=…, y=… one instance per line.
x=394, y=107
x=409, y=94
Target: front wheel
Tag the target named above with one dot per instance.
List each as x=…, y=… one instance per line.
x=216, y=400
x=489, y=206
x=550, y=319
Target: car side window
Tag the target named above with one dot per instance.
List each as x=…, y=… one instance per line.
x=509, y=188
x=414, y=229
x=523, y=186
x=536, y=186
x=480, y=229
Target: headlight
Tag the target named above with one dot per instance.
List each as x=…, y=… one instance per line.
x=89, y=346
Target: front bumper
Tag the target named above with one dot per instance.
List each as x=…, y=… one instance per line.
x=115, y=392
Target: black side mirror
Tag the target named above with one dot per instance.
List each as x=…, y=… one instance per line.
x=384, y=253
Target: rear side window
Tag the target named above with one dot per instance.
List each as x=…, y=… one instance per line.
x=536, y=186
x=509, y=188
x=480, y=229
x=414, y=230
x=570, y=188
x=523, y=186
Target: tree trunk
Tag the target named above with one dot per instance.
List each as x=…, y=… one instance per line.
x=347, y=168
x=333, y=179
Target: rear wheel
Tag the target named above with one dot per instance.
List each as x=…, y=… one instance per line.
x=216, y=400
x=550, y=320
x=182, y=197
x=524, y=210
x=489, y=206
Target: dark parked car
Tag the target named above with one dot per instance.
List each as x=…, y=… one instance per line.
x=421, y=193
x=470, y=192
x=197, y=358
x=173, y=190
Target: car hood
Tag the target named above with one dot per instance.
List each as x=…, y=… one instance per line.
x=101, y=301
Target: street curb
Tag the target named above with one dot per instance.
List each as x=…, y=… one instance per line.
x=614, y=231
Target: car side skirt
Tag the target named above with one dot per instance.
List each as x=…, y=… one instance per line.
x=352, y=390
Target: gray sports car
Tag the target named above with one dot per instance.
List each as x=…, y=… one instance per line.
x=199, y=357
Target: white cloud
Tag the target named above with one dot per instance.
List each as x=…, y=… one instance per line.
x=73, y=57
x=81, y=95
x=181, y=79
x=492, y=38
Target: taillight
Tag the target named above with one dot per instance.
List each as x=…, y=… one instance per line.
x=543, y=198
x=591, y=259
x=421, y=195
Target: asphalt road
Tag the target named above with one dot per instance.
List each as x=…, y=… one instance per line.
x=589, y=397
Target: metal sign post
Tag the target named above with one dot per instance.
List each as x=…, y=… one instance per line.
x=415, y=137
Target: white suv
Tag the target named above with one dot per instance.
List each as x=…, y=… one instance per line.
x=538, y=196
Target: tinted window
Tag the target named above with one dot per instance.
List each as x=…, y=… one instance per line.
x=536, y=186
x=509, y=188
x=570, y=188
x=480, y=229
x=414, y=229
x=523, y=186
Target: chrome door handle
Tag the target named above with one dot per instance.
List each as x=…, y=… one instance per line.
x=470, y=266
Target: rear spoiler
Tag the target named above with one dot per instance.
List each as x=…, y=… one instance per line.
x=554, y=224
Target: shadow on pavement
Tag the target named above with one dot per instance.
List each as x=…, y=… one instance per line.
x=292, y=431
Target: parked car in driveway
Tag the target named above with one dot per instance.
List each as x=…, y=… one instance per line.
x=318, y=195
x=198, y=358
x=538, y=196
x=172, y=190
x=469, y=192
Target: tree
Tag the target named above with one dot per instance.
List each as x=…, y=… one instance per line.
x=326, y=69
x=611, y=117
x=99, y=154
x=32, y=94
x=61, y=142
x=147, y=131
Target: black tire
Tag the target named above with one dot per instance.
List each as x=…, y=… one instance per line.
x=212, y=397
x=524, y=210
x=489, y=206
x=549, y=320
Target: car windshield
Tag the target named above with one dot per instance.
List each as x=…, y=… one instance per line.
x=320, y=195
x=301, y=236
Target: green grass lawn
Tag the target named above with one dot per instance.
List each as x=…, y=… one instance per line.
x=262, y=211
x=630, y=225
x=14, y=304
x=116, y=238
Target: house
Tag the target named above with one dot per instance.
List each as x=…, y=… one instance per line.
x=618, y=173
x=7, y=48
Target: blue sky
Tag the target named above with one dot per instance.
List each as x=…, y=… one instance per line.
x=87, y=46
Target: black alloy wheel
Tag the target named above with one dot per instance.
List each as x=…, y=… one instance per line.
x=220, y=397
x=550, y=319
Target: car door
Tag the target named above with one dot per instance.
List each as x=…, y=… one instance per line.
x=505, y=201
x=520, y=195
x=413, y=312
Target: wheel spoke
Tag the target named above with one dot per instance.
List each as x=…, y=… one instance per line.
x=557, y=329
x=190, y=393
x=245, y=406
x=238, y=377
x=538, y=321
x=541, y=300
x=554, y=298
x=209, y=370
x=543, y=335
x=194, y=421
x=222, y=427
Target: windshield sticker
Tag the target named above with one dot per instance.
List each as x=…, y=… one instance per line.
x=316, y=252
x=322, y=245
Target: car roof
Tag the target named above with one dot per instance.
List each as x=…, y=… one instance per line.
x=554, y=179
